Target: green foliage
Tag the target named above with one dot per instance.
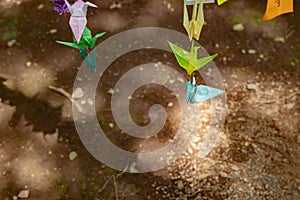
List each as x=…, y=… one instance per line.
x=9, y=35
x=10, y=28
x=109, y=170
x=33, y=33
x=63, y=190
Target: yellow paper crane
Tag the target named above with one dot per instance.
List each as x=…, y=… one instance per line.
x=194, y=26
x=221, y=2
x=277, y=7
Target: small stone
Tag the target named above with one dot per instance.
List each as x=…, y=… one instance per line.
x=243, y=51
x=28, y=64
x=115, y=5
x=279, y=39
x=241, y=119
x=171, y=81
x=170, y=104
x=205, y=119
x=24, y=194
x=15, y=197
x=180, y=80
x=52, y=31
x=73, y=155
x=252, y=51
x=251, y=87
x=41, y=6
x=90, y=102
x=238, y=27
x=78, y=93
x=111, y=91
x=235, y=167
x=203, y=176
x=180, y=185
x=111, y=125
x=132, y=168
x=224, y=174
x=11, y=42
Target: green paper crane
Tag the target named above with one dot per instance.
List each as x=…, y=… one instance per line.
x=87, y=40
x=189, y=60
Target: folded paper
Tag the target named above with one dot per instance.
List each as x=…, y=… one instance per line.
x=200, y=93
x=189, y=60
x=277, y=7
x=89, y=60
x=78, y=19
x=193, y=26
x=87, y=41
x=221, y=1
x=60, y=6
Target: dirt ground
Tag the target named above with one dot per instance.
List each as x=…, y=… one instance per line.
x=42, y=157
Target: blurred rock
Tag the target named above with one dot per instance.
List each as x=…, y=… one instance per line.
x=52, y=31
x=251, y=87
x=180, y=185
x=78, y=93
x=279, y=39
x=11, y=42
x=73, y=155
x=111, y=91
x=40, y=7
x=24, y=194
x=238, y=27
x=252, y=51
x=115, y=5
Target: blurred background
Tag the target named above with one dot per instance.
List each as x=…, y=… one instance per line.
x=42, y=157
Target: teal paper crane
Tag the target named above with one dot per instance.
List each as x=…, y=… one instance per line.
x=200, y=93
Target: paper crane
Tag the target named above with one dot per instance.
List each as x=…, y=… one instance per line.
x=200, y=93
x=78, y=19
x=277, y=7
x=193, y=26
x=86, y=41
x=189, y=60
x=221, y=1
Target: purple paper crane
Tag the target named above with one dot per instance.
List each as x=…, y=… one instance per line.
x=78, y=19
x=60, y=6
